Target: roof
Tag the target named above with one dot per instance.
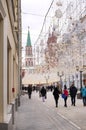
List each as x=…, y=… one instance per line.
x=28, y=39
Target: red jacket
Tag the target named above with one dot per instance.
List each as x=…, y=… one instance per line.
x=66, y=92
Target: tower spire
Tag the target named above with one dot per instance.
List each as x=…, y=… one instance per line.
x=28, y=38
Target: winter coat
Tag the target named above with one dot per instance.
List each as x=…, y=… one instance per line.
x=56, y=93
x=43, y=91
x=73, y=91
x=65, y=92
x=83, y=92
x=29, y=90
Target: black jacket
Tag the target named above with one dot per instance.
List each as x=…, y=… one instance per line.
x=56, y=92
x=73, y=91
x=43, y=91
x=29, y=89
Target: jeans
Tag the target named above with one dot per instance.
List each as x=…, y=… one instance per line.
x=73, y=100
x=65, y=101
x=84, y=101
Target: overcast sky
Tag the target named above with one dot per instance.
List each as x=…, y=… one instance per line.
x=33, y=12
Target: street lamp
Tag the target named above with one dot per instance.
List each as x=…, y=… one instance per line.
x=60, y=75
x=81, y=78
x=46, y=77
x=77, y=68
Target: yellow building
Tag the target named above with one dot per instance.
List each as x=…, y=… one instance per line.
x=10, y=61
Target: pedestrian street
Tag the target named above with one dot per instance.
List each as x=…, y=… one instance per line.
x=33, y=114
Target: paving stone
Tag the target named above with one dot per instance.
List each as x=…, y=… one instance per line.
x=33, y=114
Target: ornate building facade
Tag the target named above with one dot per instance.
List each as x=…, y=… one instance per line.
x=50, y=51
x=10, y=60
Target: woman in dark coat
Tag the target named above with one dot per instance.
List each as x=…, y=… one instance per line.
x=43, y=93
x=56, y=93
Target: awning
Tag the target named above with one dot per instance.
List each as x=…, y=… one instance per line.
x=40, y=78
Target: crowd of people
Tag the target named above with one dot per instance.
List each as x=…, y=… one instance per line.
x=65, y=93
x=56, y=91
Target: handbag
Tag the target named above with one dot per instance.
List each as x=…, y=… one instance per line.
x=63, y=95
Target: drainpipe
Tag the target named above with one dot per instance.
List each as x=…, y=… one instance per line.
x=19, y=56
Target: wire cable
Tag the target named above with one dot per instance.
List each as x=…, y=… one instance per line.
x=34, y=14
x=44, y=21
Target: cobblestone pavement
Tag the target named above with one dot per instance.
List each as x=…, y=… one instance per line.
x=37, y=115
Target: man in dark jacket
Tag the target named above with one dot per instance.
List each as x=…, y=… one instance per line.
x=29, y=89
x=73, y=92
x=56, y=93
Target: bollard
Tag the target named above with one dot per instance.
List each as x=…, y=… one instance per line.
x=18, y=100
x=16, y=104
x=13, y=112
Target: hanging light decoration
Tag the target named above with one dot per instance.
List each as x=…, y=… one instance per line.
x=70, y=17
x=58, y=13
x=57, y=33
x=58, y=3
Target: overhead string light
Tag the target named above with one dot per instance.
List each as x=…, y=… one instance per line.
x=61, y=47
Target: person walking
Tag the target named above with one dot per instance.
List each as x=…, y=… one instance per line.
x=29, y=89
x=73, y=92
x=56, y=93
x=65, y=92
x=83, y=93
x=43, y=93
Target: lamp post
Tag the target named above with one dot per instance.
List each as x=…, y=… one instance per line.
x=77, y=68
x=46, y=77
x=80, y=78
x=60, y=75
x=77, y=80
x=65, y=80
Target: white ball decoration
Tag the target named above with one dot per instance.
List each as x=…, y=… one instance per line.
x=57, y=32
x=59, y=3
x=58, y=13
